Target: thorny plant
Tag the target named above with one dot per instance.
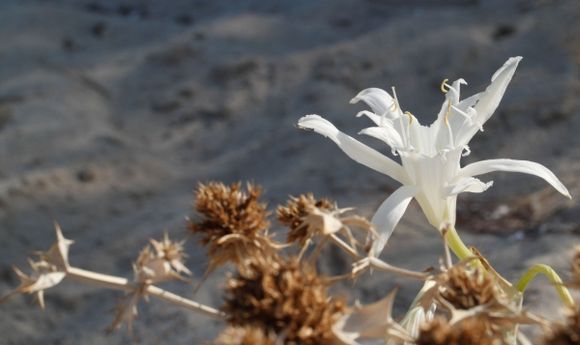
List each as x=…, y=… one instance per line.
x=273, y=293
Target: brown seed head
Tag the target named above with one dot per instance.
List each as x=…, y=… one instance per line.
x=293, y=213
x=234, y=223
x=568, y=334
x=161, y=260
x=466, y=288
x=576, y=269
x=285, y=297
x=247, y=335
x=471, y=331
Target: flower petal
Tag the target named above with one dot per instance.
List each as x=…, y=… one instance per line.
x=467, y=117
x=454, y=90
x=513, y=165
x=379, y=100
x=490, y=98
x=386, y=133
x=377, y=119
x=389, y=214
x=354, y=148
x=469, y=185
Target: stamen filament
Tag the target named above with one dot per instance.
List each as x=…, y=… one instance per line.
x=448, y=112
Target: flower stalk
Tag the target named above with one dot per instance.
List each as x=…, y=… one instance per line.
x=456, y=244
x=552, y=276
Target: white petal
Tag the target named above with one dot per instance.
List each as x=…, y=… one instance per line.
x=377, y=119
x=455, y=89
x=386, y=133
x=468, y=184
x=490, y=98
x=469, y=101
x=354, y=148
x=379, y=100
x=389, y=214
x=513, y=165
x=481, y=106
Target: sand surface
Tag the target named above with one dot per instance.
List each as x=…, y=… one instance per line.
x=112, y=112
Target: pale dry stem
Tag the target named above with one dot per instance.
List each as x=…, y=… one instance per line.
x=123, y=284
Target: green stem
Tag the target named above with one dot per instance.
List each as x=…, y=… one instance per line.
x=552, y=276
x=456, y=244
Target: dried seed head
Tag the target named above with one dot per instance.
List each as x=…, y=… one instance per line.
x=576, y=269
x=234, y=223
x=371, y=323
x=285, y=297
x=568, y=334
x=126, y=310
x=293, y=216
x=47, y=271
x=466, y=288
x=247, y=335
x=471, y=331
x=161, y=261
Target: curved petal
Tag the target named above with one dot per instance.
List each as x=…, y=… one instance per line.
x=353, y=148
x=479, y=107
x=490, y=98
x=379, y=100
x=513, y=165
x=469, y=185
x=377, y=119
x=386, y=133
x=455, y=89
x=389, y=214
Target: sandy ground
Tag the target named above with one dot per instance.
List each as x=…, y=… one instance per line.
x=111, y=113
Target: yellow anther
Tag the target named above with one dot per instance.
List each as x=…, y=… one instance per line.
x=444, y=86
x=408, y=113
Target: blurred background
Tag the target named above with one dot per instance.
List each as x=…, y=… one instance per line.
x=111, y=112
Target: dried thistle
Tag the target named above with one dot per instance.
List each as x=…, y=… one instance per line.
x=247, y=335
x=234, y=224
x=293, y=216
x=158, y=261
x=471, y=331
x=307, y=217
x=567, y=334
x=161, y=261
x=469, y=295
x=370, y=322
x=48, y=271
x=575, y=283
x=126, y=310
x=466, y=288
x=285, y=297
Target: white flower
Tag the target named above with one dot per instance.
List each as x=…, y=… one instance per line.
x=429, y=171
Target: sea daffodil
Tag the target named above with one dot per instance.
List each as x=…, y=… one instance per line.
x=430, y=168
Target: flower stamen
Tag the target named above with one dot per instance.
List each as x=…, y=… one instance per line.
x=447, y=113
x=444, y=85
x=411, y=116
